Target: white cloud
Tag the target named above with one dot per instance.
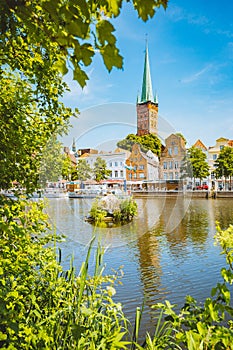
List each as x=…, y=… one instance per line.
x=197, y=75
x=177, y=14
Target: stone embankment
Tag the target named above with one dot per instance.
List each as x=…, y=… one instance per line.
x=193, y=194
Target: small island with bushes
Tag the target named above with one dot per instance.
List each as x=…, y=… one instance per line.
x=112, y=210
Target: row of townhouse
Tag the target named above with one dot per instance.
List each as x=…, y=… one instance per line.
x=139, y=167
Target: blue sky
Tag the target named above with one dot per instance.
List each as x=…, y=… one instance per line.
x=191, y=61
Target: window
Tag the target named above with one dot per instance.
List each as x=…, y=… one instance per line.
x=121, y=163
x=221, y=147
x=175, y=150
x=176, y=164
x=165, y=176
x=116, y=163
x=164, y=165
x=170, y=176
x=141, y=167
x=135, y=175
x=121, y=173
x=110, y=164
x=169, y=151
x=116, y=173
x=215, y=156
x=170, y=165
x=176, y=175
x=141, y=175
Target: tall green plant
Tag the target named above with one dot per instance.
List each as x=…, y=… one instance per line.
x=42, y=306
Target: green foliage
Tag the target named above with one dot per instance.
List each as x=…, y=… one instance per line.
x=195, y=164
x=128, y=209
x=26, y=124
x=84, y=170
x=67, y=168
x=121, y=212
x=146, y=142
x=39, y=34
x=224, y=163
x=182, y=136
x=52, y=162
x=100, y=170
x=97, y=213
x=186, y=168
x=42, y=306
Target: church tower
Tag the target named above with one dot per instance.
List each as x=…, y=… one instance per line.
x=147, y=104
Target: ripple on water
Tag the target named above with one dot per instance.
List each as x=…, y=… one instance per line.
x=167, y=252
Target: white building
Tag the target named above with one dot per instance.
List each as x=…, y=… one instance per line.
x=115, y=162
x=213, y=153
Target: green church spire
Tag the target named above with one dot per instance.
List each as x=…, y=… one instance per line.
x=73, y=146
x=147, y=92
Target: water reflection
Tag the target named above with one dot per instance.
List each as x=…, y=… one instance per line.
x=167, y=251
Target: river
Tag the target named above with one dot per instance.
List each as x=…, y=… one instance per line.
x=166, y=252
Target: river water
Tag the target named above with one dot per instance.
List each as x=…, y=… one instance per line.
x=166, y=252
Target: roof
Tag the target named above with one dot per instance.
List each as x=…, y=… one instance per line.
x=200, y=144
x=147, y=92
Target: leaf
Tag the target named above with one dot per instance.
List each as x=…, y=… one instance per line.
x=78, y=28
x=60, y=65
x=111, y=57
x=80, y=76
x=84, y=53
x=104, y=32
x=145, y=9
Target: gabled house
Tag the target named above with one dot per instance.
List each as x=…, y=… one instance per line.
x=200, y=145
x=142, y=166
x=172, y=157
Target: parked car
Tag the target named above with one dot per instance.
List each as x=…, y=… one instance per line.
x=202, y=187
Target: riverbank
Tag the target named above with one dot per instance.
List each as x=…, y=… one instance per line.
x=193, y=194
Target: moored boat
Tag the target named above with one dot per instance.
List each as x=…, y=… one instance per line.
x=55, y=193
x=84, y=193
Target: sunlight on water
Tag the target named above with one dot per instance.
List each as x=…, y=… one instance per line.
x=167, y=252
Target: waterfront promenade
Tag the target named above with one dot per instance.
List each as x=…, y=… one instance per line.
x=192, y=194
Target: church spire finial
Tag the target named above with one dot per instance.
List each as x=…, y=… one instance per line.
x=147, y=91
x=73, y=146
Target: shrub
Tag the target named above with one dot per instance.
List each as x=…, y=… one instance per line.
x=42, y=306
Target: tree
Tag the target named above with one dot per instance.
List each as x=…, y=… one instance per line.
x=146, y=142
x=67, y=168
x=52, y=162
x=197, y=159
x=224, y=163
x=100, y=169
x=182, y=136
x=26, y=125
x=186, y=168
x=66, y=33
x=84, y=170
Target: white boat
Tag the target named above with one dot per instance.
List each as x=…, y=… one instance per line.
x=84, y=193
x=55, y=192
